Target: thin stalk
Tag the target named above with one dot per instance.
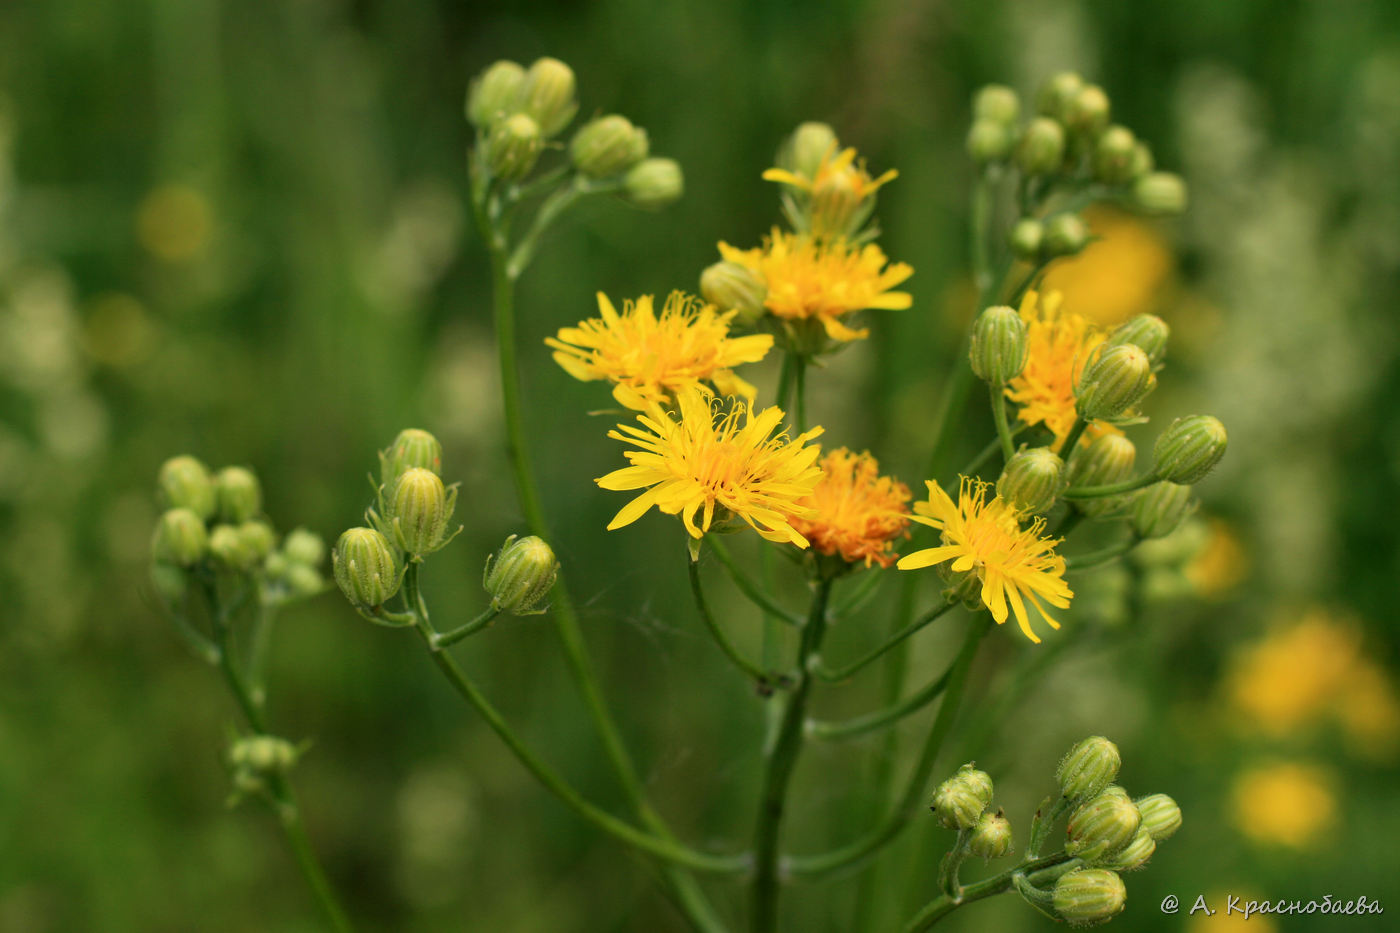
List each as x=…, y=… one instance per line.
x=782, y=760
x=998, y=393
x=1101, y=556
x=841, y=673
x=747, y=586
x=443, y=639
x=943, y=905
x=258, y=651
x=799, y=380
x=985, y=453
x=1110, y=489
x=861, y=725
x=731, y=651
x=1072, y=438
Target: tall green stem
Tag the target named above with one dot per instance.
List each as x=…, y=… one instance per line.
x=782, y=759
x=942, y=906
x=999, y=416
x=841, y=673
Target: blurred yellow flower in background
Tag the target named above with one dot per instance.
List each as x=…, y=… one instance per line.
x=1233, y=922
x=174, y=222
x=1286, y=804
x=1220, y=564
x=1122, y=272
x=859, y=513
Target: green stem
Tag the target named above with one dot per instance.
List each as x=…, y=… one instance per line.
x=785, y=382
x=1101, y=556
x=782, y=760
x=860, y=725
x=800, y=388
x=985, y=453
x=948, y=871
x=747, y=586
x=1111, y=489
x=731, y=651
x=443, y=639
x=943, y=905
x=841, y=673
x=981, y=220
x=999, y=416
x=1072, y=438
x=258, y=651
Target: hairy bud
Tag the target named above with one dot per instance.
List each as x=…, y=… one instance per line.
x=184, y=483
x=521, y=575
x=998, y=347
x=1189, y=449
x=366, y=567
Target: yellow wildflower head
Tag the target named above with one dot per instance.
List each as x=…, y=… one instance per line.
x=985, y=538
x=1286, y=804
x=812, y=279
x=698, y=461
x=837, y=196
x=1121, y=273
x=1059, y=344
x=649, y=358
x=857, y=512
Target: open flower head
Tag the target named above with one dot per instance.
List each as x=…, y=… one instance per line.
x=826, y=280
x=650, y=357
x=1012, y=563
x=1059, y=344
x=701, y=464
x=858, y=513
x=838, y=196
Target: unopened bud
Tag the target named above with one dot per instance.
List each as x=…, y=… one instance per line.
x=654, y=183
x=1114, y=152
x=1102, y=826
x=998, y=103
x=366, y=568
x=170, y=582
x=989, y=141
x=1041, y=148
x=1087, y=111
x=258, y=538
x=412, y=448
x=1032, y=479
x=1066, y=234
x=1089, y=767
x=184, y=483
x=1057, y=92
x=1142, y=161
x=1089, y=896
x=304, y=580
x=1160, y=193
x=547, y=95
x=1189, y=449
x=238, y=494
x=730, y=286
x=1132, y=856
x=1108, y=459
x=513, y=147
x=1160, y=815
x=304, y=547
x=998, y=347
x=1114, y=383
x=521, y=575
x=494, y=93
x=991, y=837
x=264, y=754
x=809, y=144
x=1027, y=238
x=230, y=550
x=1160, y=509
x=960, y=801
x=1147, y=331
x=608, y=146
x=180, y=538
x=418, y=511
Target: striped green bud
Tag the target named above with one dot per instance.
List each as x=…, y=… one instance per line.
x=991, y=837
x=230, y=549
x=1147, y=331
x=1189, y=449
x=180, y=538
x=495, y=93
x=1041, y=149
x=1056, y=94
x=608, y=146
x=1102, y=826
x=1160, y=815
x=412, y=448
x=521, y=575
x=960, y=801
x=1114, y=383
x=238, y=493
x=1160, y=193
x=998, y=348
x=184, y=483
x=1089, y=768
x=418, y=511
x=1032, y=479
x=1160, y=509
x=654, y=183
x=997, y=103
x=1089, y=896
x=805, y=149
x=1027, y=239
x=366, y=567
x=1132, y=856
x=1113, y=155
x=547, y=95
x=258, y=538
x=513, y=147
x=732, y=287
x=989, y=141
x=1066, y=234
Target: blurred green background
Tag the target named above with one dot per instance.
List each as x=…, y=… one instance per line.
x=238, y=230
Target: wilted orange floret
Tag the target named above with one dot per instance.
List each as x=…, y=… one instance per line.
x=859, y=513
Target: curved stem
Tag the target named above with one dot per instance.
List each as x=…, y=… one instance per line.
x=999, y=416
x=751, y=670
x=1072, y=438
x=1101, y=556
x=860, y=725
x=1111, y=489
x=443, y=639
x=841, y=673
x=943, y=905
x=747, y=586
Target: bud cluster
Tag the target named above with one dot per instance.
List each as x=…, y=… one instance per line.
x=828, y=192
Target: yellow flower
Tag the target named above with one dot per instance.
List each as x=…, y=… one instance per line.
x=1225, y=920
x=1059, y=344
x=858, y=512
x=1220, y=564
x=837, y=195
x=1121, y=273
x=649, y=358
x=834, y=165
x=1012, y=563
x=727, y=462
x=1286, y=804
x=808, y=278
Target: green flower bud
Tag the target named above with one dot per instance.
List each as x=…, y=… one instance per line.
x=608, y=146
x=1132, y=856
x=1066, y=234
x=304, y=547
x=1089, y=768
x=1160, y=509
x=998, y=103
x=1160, y=816
x=180, y=538
x=276, y=565
x=263, y=754
x=998, y=347
x=547, y=95
x=1189, y=449
x=1142, y=161
x=229, y=549
x=418, y=511
x=1147, y=331
x=1102, y=826
x=513, y=147
x=1089, y=896
x=412, y=448
x=960, y=801
x=732, y=287
x=654, y=183
x=184, y=483
x=170, y=582
x=1160, y=193
x=991, y=837
x=304, y=580
x=806, y=147
x=1027, y=238
x=366, y=568
x=258, y=538
x=989, y=141
x=495, y=93
x=1087, y=111
x=1041, y=149
x=1108, y=459
x=238, y=494
x=1032, y=479
x=520, y=575
x=1114, y=383
x=1114, y=152
x=1056, y=94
